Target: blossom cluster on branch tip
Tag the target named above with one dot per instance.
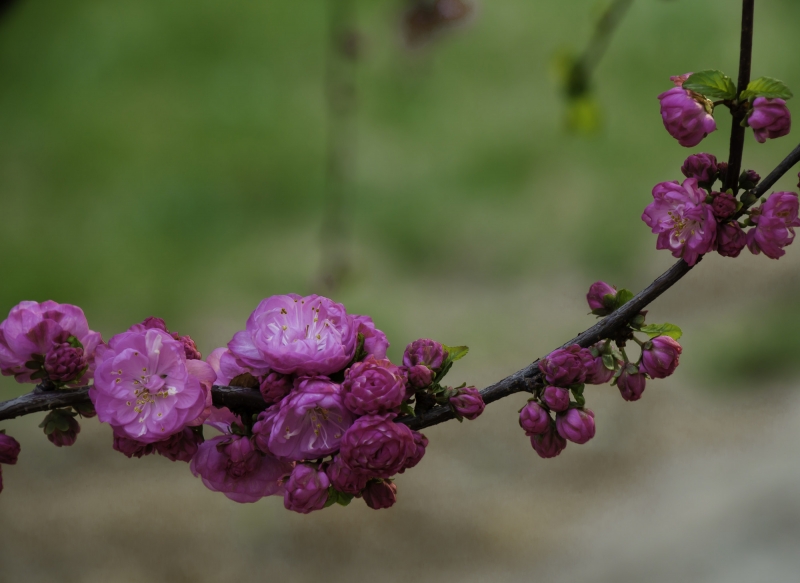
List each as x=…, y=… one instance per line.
x=329, y=432
x=557, y=411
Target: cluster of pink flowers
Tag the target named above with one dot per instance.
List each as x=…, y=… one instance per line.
x=557, y=413
x=691, y=219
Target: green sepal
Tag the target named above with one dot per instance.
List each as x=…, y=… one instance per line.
x=666, y=329
x=712, y=84
x=623, y=297
x=766, y=87
x=74, y=342
x=39, y=374
x=245, y=380
x=407, y=409
x=580, y=401
x=609, y=362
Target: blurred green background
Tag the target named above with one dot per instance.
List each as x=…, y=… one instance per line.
x=168, y=158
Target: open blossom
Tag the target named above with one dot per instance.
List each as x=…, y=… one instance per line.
x=380, y=494
x=631, y=386
x=566, y=366
x=576, y=425
x=731, y=239
x=146, y=389
x=311, y=421
x=548, y=444
x=701, y=166
x=306, y=490
x=373, y=386
x=770, y=119
x=33, y=330
x=534, y=419
x=662, y=358
x=775, y=221
x=597, y=297
x=291, y=334
x=375, y=342
x=685, y=224
x=686, y=116
x=344, y=479
x=376, y=445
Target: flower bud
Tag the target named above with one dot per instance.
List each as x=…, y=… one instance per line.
x=566, y=366
x=380, y=494
x=180, y=447
x=189, y=347
x=723, y=205
x=533, y=419
x=731, y=239
x=576, y=425
x=374, y=386
x=151, y=322
x=344, y=479
x=131, y=447
x=769, y=118
x=422, y=443
x=556, y=398
x=275, y=386
x=702, y=166
x=424, y=351
x=306, y=490
x=661, y=359
x=601, y=296
x=64, y=363
x=468, y=403
x=60, y=427
x=9, y=450
x=596, y=372
x=686, y=116
x=85, y=410
x=631, y=386
x=419, y=376
x=749, y=179
x=548, y=444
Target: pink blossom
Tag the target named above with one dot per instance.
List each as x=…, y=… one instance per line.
x=9, y=452
x=375, y=341
x=662, y=358
x=702, y=167
x=311, y=421
x=419, y=377
x=424, y=351
x=576, y=425
x=306, y=490
x=225, y=366
x=534, y=419
x=685, y=224
x=344, y=479
x=376, y=445
x=180, y=447
x=262, y=428
x=598, y=296
x=631, y=386
x=731, y=239
x=548, y=444
x=373, y=386
x=422, y=443
x=770, y=119
x=221, y=419
x=32, y=330
x=132, y=448
x=723, y=205
x=686, y=116
x=596, y=372
x=299, y=335
x=275, y=386
x=146, y=389
x=468, y=403
x=556, y=398
x=380, y=494
x=231, y=465
x=566, y=366
x=775, y=221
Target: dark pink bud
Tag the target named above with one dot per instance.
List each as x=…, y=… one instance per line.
x=631, y=386
x=152, y=322
x=686, y=116
x=601, y=296
x=770, y=119
x=422, y=443
x=661, y=359
x=749, y=179
x=60, y=427
x=731, y=239
x=556, y=398
x=596, y=372
x=190, y=348
x=468, y=403
x=375, y=342
x=275, y=386
x=424, y=351
x=373, y=386
x=133, y=448
x=566, y=366
x=306, y=490
x=380, y=494
x=723, y=205
x=548, y=444
x=344, y=479
x=64, y=363
x=375, y=445
x=576, y=425
x=419, y=376
x=9, y=450
x=180, y=447
x=534, y=419
x=702, y=166
x=775, y=222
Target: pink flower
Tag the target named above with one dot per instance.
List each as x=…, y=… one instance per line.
x=374, y=386
x=9, y=452
x=275, y=386
x=723, y=205
x=548, y=444
x=375, y=341
x=311, y=421
x=687, y=116
x=566, y=366
x=661, y=359
x=132, y=448
x=146, y=389
x=225, y=366
x=180, y=447
x=425, y=351
x=596, y=372
x=32, y=330
x=153, y=323
x=419, y=376
x=631, y=386
x=770, y=119
x=306, y=490
x=297, y=335
x=377, y=446
x=684, y=223
x=231, y=465
x=422, y=443
x=380, y=494
x=601, y=296
x=262, y=428
x=702, y=167
x=534, y=419
x=731, y=239
x=556, y=398
x=344, y=479
x=775, y=221
x=576, y=425
x=468, y=403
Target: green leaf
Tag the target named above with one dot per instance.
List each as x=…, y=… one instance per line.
x=407, y=409
x=580, y=400
x=766, y=87
x=74, y=342
x=608, y=362
x=245, y=380
x=456, y=352
x=333, y=497
x=623, y=297
x=712, y=84
x=667, y=329
x=344, y=499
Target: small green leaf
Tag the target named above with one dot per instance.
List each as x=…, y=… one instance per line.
x=578, y=389
x=456, y=352
x=623, y=297
x=608, y=362
x=344, y=499
x=74, y=342
x=712, y=84
x=333, y=497
x=580, y=400
x=667, y=329
x=245, y=380
x=407, y=409
x=766, y=87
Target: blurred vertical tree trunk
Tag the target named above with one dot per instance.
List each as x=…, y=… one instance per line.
x=5, y=6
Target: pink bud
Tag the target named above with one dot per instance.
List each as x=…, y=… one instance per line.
x=380, y=494
x=419, y=376
x=686, y=116
x=770, y=118
x=661, y=359
x=306, y=490
x=701, y=166
x=468, y=403
x=576, y=425
x=598, y=296
x=731, y=239
x=64, y=363
x=723, y=205
x=548, y=444
x=631, y=386
x=9, y=450
x=533, y=419
x=60, y=427
x=275, y=386
x=556, y=398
